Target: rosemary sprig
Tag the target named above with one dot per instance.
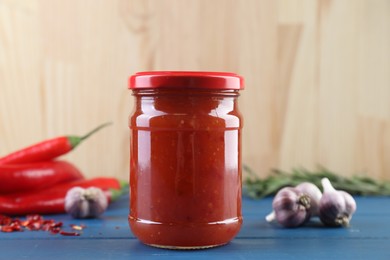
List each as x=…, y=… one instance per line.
x=256, y=187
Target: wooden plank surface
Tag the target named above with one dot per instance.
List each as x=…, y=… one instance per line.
x=110, y=238
x=317, y=74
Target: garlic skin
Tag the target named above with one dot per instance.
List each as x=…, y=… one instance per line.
x=85, y=203
x=336, y=207
x=315, y=195
x=291, y=207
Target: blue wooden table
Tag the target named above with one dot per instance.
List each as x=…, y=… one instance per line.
x=368, y=237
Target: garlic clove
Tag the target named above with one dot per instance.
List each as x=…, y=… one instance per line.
x=336, y=207
x=350, y=202
x=314, y=193
x=291, y=207
x=85, y=203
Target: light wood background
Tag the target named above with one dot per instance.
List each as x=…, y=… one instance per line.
x=317, y=74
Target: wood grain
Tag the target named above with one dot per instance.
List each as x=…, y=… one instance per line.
x=317, y=74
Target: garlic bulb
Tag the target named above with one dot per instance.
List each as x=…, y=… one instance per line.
x=291, y=207
x=85, y=203
x=336, y=207
x=315, y=195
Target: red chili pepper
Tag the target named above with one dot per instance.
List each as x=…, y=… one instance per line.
x=36, y=176
x=52, y=200
x=47, y=150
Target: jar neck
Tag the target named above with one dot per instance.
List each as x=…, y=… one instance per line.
x=186, y=101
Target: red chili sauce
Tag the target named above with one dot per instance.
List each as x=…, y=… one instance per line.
x=185, y=163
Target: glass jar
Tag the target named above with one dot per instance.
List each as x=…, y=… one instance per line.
x=185, y=159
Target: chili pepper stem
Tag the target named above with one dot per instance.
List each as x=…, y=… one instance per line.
x=76, y=140
x=115, y=194
x=123, y=184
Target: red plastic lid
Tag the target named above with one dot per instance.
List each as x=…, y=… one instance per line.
x=186, y=79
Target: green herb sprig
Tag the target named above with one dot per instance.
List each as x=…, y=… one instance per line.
x=257, y=188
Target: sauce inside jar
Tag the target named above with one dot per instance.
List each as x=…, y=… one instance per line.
x=185, y=162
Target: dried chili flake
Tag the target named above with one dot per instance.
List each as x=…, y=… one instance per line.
x=11, y=228
x=17, y=221
x=34, y=218
x=57, y=224
x=64, y=233
x=77, y=227
x=24, y=223
x=35, y=223
x=7, y=229
x=48, y=222
x=47, y=225
x=34, y=226
x=5, y=220
x=55, y=230
x=15, y=226
x=45, y=228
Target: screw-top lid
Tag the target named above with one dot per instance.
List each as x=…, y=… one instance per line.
x=186, y=79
